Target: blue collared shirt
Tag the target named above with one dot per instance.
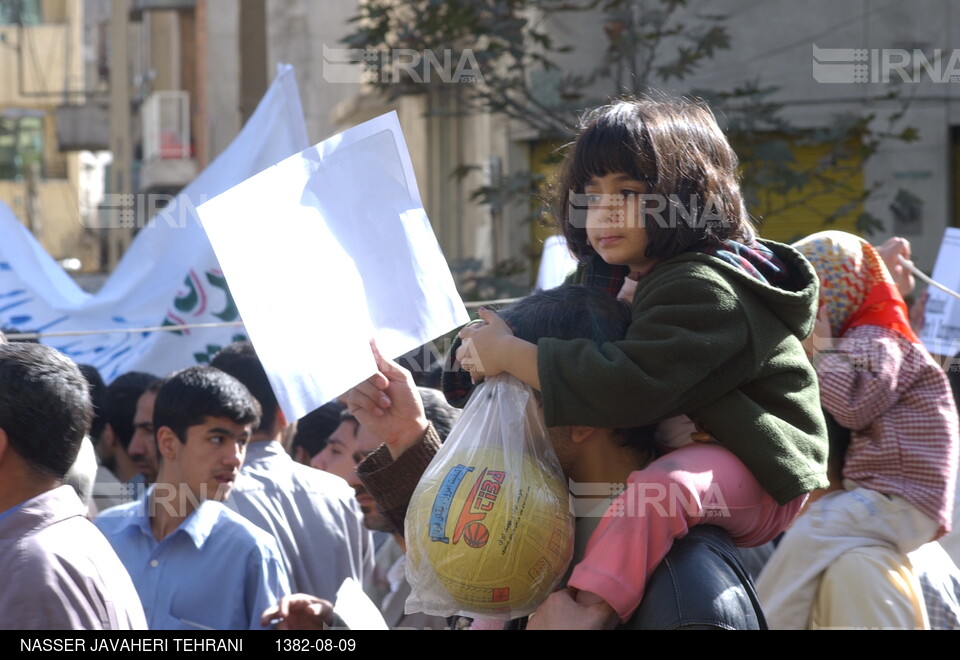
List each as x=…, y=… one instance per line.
x=216, y=571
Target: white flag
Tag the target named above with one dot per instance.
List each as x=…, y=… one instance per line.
x=168, y=276
x=327, y=250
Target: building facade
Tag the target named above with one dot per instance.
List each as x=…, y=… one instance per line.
x=196, y=68
x=42, y=70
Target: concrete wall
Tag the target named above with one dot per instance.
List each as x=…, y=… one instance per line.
x=296, y=33
x=773, y=41
x=223, y=74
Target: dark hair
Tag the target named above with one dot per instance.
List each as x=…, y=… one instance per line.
x=424, y=363
x=120, y=402
x=438, y=411
x=314, y=428
x=192, y=394
x=677, y=149
x=573, y=311
x=45, y=406
x=98, y=395
x=240, y=360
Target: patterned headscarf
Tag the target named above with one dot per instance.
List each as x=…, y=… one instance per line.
x=855, y=285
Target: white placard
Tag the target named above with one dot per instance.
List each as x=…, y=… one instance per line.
x=941, y=325
x=326, y=250
x=169, y=276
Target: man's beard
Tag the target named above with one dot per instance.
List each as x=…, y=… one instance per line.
x=373, y=518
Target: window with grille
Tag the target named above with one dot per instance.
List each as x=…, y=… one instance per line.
x=21, y=146
x=20, y=12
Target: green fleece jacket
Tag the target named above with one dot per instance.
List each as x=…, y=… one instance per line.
x=709, y=341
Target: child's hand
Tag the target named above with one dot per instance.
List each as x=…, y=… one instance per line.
x=484, y=346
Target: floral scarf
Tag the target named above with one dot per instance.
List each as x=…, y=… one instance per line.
x=855, y=285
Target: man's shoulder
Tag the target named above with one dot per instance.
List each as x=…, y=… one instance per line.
x=68, y=575
x=52, y=531
x=53, y=520
x=863, y=569
x=328, y=485
x=231, y=528
x=121, y=510
x=117, y=517
x=295, y=481
x=700, y=583
x=68, y=544
x=62, y=535
x=276, y=469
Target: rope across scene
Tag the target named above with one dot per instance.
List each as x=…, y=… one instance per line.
x=236, y=324
x=31, y=336
x=919, y=273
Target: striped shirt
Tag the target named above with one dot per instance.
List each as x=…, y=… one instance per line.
x=897, y=402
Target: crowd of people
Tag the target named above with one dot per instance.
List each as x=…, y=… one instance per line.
x=780, y=388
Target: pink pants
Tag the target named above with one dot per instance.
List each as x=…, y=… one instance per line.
x=693, y=485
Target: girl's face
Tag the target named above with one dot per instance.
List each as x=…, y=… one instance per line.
x=615, y=221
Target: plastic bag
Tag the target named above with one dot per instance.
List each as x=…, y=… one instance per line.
x=489, y=530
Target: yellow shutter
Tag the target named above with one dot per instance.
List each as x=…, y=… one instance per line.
x=788, y=217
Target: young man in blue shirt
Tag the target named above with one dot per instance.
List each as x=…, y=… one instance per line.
x=196, y=564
